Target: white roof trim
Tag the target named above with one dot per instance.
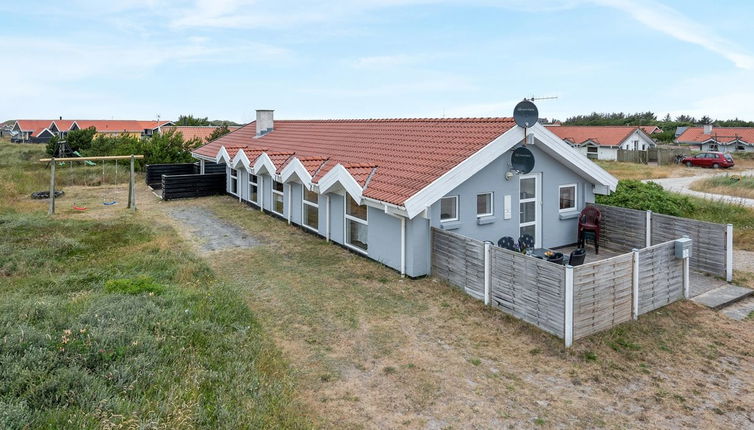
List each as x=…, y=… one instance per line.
x=296, y=167
x=222, y=156
x=550, y=144
x=241, y=158
x=340, y=175
x=264, y=164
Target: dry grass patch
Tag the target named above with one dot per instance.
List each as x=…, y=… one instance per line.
x=731, y=185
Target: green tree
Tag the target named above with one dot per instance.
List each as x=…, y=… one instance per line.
x=81, y=139
x=52, y=145
x=190, y=120
x=218, y=132
x=168, y=147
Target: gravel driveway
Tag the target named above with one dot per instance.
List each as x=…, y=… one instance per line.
x=682, y=185
x=212, y=232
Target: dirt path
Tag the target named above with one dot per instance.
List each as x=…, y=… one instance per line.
x=682, y=185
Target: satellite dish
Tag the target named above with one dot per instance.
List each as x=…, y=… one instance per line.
x=525, y=114
x=522, y=160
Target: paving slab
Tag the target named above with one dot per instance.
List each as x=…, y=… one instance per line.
x=740, y=310
x=723, y=296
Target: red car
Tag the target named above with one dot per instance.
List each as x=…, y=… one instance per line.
x=715, y=160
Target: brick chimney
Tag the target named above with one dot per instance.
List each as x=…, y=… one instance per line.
x=265, y=122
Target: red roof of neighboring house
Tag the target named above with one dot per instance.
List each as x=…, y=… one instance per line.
x=650, y=129
x=64, y=124
x=719, y=134
x=394, y=158
x=199, y=132
x=601, y=135
x=117, y=126
x=35, y=126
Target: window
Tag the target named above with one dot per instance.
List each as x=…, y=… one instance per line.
x=567, y=197
x=253, y=189
x=234, y=182
x=310, y=207
x=484, y=205
x=356, y=224
x=449, y=208
x=592, y=152
x=277, y=197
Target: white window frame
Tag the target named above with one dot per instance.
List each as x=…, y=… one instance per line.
x=575, y=198
x=304, y=204
x=254, y=184
x=537, y=199
x=282, y=197
x=492, y=205
x=346, y=218
x=458, y=215
x=233, y=178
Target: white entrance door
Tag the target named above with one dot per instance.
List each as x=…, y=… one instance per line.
x=529, y=200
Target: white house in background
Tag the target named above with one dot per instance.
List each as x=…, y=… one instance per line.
x=603, y=142
x=723, y=139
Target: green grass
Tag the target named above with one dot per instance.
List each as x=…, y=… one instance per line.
x=112, y=323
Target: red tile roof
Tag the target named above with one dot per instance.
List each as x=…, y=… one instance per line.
x=394, y=158
x=35, y=126
x=601, y=135
x=719, y=134
x=650, y=129
x=118, y=126
x=198, y=132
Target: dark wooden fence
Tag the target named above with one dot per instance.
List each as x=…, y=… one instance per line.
x=155, y=172
x=193, y=185
x=210, y=167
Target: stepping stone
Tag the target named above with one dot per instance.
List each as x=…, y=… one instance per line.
x=741, y=310
x=723, y=296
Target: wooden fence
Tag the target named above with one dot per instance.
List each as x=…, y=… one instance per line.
x=661, y=277
x=529, y=289
x=459, y=260
x=602, y=294
x=194, y=185
x=632, y=156
x=568, y=302
x=712, y=243
x=154, y=172
x=622, y=229
x=661, y=156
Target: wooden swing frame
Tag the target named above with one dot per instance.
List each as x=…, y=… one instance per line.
x=131, y=177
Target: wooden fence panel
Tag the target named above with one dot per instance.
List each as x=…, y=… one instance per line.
x=660, y=277
x=210, y=167
x=528, y=288
x=632, y=156
x=459, y=260
x=154, y=172
x=195, y=185
x=602, y=295
x=709, y=241
x=622, y=229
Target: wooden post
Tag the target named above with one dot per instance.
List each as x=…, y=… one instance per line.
x=131, y=187
x=568, y=329
x=487, y=273
x=51, y=209
x=635, y=286
x=729, y=252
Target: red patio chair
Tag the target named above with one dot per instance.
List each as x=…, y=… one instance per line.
x=589, y=221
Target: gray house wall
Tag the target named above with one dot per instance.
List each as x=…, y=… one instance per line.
x=418, y=247
x=384, y=238
x=553, y=230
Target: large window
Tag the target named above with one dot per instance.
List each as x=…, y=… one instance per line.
x=277, y=198
x=311, y=209
x=356, y=224
x=449, y=208
x=567, y=198
x=484, y=205
x=253, y=188
x=234, y=182
x=592, y=152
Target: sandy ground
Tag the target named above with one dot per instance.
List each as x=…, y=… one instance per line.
x=372, y=350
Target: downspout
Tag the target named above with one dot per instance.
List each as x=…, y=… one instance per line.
x=290, y=191
x=327, y=217
x=403, y=247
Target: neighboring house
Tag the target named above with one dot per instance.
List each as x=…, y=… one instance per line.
x=198, y=132
x=378, y=186
x=124, y=127
x=679, y=131
x=650, y=129
x=41, y=131
x=31, y=131
x=603, y=142
x=723, y=139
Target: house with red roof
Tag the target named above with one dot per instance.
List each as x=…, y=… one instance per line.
x=603, y=142
x=378, y=186
x=201, y=132
x=723, y=139
x=42, y=130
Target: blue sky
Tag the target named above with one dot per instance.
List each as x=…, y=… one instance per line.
x=374, y=58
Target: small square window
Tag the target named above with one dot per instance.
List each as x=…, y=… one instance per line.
x=449, y=208
x=484, y=204
x=567, y=197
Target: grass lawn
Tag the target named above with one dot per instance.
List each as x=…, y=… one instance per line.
x=114, y=323
x=732, y=185
x=622, y=170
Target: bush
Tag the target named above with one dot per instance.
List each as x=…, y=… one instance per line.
x=648, y=196
x=133, y=286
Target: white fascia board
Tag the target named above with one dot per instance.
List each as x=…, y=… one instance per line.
x=241, y=158
x=222, y=156
x=574, y=159
x=340, y=175
x=72, y=124
x=296, y=170
x=264, y=165
x=202, y=157
x=463, y=171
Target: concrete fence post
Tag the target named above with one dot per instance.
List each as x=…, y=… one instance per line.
x=487, y=269
x=729, y=252
x=568, y=290
x=648, y=230
x=635, y=286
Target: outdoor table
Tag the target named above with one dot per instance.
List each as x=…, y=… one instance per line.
x=540, y=253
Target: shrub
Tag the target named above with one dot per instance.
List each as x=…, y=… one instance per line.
x=133, y=286
x=648, y=196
